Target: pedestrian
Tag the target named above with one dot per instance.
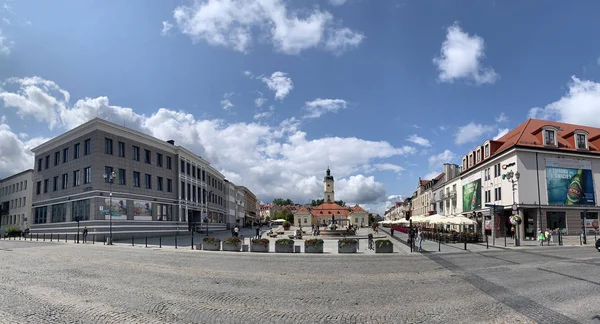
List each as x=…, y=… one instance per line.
x=257, y=232
x=392, y=232
x=85, y=231
x=420, y=239
x=236, y=231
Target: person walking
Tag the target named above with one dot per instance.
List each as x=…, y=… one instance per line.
x=420, y=239
x=85, y=232
x=257, y=232
x=392, y=232
x=236, y=231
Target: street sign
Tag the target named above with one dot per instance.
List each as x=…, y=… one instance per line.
x=514, y=207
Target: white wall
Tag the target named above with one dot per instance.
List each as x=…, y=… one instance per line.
x=458, y=208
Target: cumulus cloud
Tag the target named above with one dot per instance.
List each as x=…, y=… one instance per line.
x=419, y=140
x=265, y=114
x=260, y=101
x=166, y=28
x=226, y=103
x=236, y=24
x=580, y=105
x=501, y=132
x=5, y=45
x=337, y=2
x=501, y=118
x=272, y=160
x=388, y=167
x=460, y=58
x=319, y=106
x=280, y=83
x=472, y=132
x=438, y=160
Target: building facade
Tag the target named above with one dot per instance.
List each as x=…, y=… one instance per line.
x=117, y=179
x=268, y=211
x=251, y=209
x=15, y=200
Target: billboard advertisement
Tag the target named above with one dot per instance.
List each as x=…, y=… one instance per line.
x=118, y=209
x=569, y=182
x=471, y=192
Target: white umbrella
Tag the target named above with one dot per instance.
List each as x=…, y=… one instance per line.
x=437, y=219
x=459, y=220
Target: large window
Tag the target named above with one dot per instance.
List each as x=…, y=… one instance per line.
x=56, y=158
x=182, y=170
x=38, y=187
x=76, y=151
x=81, y=209
x=121, y=147
x=549, y=137
x=66, y=155
x=87, y=175
x=122, y=177
x=47, y=164
x=164, y=212
x=59, y=213
x=581, y=141
x=41, y=214
x=147, y=155
x=556, y=220
x=46, y=181
x=108, y=146
x=40, y=164
x=148, y=181
x=108, y=170
x=169, y=166
x=159, y=183
x=136, y=179
x=65, y=181
x=55, y=184
x=159, y=160
x=169, y=185
x=76, y=178
x=136, y=153
x=88, y=146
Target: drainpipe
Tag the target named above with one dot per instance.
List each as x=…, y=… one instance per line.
x=537, y=173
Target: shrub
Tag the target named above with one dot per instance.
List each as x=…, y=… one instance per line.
x=232, y=240
x=12, y=231
x=286, y=224
x=313, y=242
x=211, y=240
x=260, y=241
x=381, y=243
x=285, y=242
x=347, y=241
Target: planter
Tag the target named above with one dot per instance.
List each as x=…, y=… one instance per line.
x=232, y=247
x=211, y=246
x=280, y=248
x=286, y=228
x=259, y=247
x=384, y=248
x=313, y=249
x=348, y=248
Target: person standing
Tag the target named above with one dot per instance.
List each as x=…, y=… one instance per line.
x=392, y=232
x=257, y=232
x=85, y=232
x=420, y=239
x=236, y=231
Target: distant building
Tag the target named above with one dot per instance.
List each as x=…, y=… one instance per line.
x=15, y=200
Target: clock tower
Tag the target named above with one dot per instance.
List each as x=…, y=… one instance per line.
x=328, y=193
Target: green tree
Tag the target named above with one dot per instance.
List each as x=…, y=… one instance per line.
x=341, y=203
x=283, y=202
x=371, y=219
x=317, y=202
x=284, y=213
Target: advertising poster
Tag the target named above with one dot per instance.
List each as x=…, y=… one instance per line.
x=142, y=208
x=117, y=210
x=471, y=191
x=569, y=182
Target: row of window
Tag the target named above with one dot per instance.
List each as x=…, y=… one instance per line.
x=15, y=187
x=79, y=208
x=17, y=202
x=197, y=194
x=108, y=149
x=581, y=142
x=197, y=173
x=121, y=178
x=497, y=195
x=497, y=172
x=63, y=181
x=13, y=220
x=66, y=156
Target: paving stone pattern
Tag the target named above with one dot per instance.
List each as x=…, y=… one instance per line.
x=74, y=283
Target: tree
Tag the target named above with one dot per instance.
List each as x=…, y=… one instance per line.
x=283, y=202
x=317, y=202
x=284, y=213
x=371, y=218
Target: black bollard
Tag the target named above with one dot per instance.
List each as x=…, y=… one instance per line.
x=104, y=240
x=487, y=244
x=465, y=245
x=160, y=241
x=146, y=241
x=37, y=236
x=175, y=242
x=94, y=239
x=50, y=237
x=132, y=243
x=192, y=242
x=439, y=246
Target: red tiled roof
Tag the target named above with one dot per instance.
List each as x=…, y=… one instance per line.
x=424, y=182
x=440, y=176
x=357, y=208
x=328, y=209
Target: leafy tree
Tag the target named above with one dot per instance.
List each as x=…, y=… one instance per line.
x=284, y=213
x=317, y=202
x=341, y=203
x=371, y=218
x=283, y=202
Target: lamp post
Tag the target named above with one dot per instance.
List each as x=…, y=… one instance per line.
x=77, y=219
x=513, y=177
x=110, y=178
x=206, y=194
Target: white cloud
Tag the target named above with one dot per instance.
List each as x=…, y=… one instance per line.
x=248, y=73
x=502, y=118
x=337, y=2
x=265, y=114
x=416, y=126
x=598, y=61
x=319, y=106
x=501, y=132
x=271, y=160
x=580, y=105
x=443, y=128
x=260, y=101
x=233, y=23
x=460, y=58
x=436, y=161
x=388, y=167
x=226, y=104
x=414, y=138
x=5, y=45
x=431, y=175
x=472, y=132
x=6, y=21
x=280, y=83
x=166, y=28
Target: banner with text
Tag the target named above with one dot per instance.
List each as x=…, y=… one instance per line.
x=471, y=192
x=569, y=182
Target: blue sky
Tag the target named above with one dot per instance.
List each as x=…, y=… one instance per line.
x=272, y=92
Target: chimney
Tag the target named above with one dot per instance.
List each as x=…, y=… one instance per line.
x=172, y=142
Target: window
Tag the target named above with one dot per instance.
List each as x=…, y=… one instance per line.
x=87, y=175
x=488, y=196
x=159, y=183
x=66, y=155
x=193, y=171
x=76, y=178
x=169, y=185
x=486, y=151
x=76, y=151
x=189, y=195
x=121, y=148
x=47, y=162
x=136, y=153
x=59, y=213
x=478, y=155
x=147, y=156
x=182, y=194
x=136, y=179
x=159, y=160
x=56, y=158
x=46, y=181
x=148, y=181
x=108, y=146
x=464, y=163
x=55, y=184
x=581, y=141
x=122, y=177
x=182, y=166
x=81, y=209
x=497, y=170
x=549, y=137
x=88, y=146
x=497, y=194
x=65, y=181
x=40, y=215
x=194, y=193
x=188, y=168
x=38, y=188
x=470, y=160
x=169, y=163
x=40, y=161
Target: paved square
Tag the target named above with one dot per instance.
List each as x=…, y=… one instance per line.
x=71, y=283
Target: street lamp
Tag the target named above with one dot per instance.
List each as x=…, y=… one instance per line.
x=110, y=178
x=513, y=178
x=206, y=202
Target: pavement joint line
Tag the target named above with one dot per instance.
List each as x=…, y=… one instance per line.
x=497, y=258
x=569, y=276
x=519, y=303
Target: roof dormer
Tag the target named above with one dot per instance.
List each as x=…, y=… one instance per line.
x=550, y=135
x=581, y=139
x=486, y=149
x=478, y=154
x=471, y=154
x=464, y=162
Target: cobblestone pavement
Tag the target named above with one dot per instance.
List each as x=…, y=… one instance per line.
x=71, y=283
